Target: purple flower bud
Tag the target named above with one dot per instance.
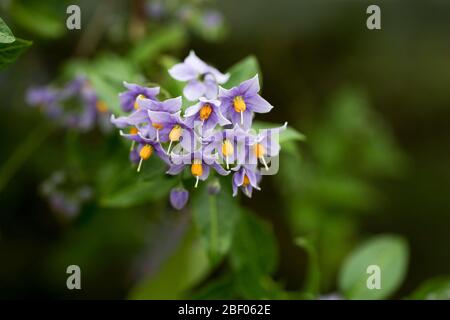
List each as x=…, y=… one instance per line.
x=178, y=198
x=214, y=187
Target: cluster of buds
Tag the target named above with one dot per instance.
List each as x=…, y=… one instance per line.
x=75, y=105
x=213, y=133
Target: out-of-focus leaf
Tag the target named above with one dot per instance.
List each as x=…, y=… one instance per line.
x=433, y=289
x=120, y=186
x=312, y=282
x=164, y=39
x=242, y=71
x=286, y=135
x=174, y=87
x=251, y=235
x=106, y=74
x=45, y=18
x=389, y=253
x=215, y=217
x=6, y=35
x=9, y=52
x=222, y=288
x=184, y=269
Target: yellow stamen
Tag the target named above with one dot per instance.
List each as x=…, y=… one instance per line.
x=205, y=112
x=196, y=168
x=136, y=105
x=101, y=106
x=246, y=181
x=227, y=148
x=157, y=126
x=239, y=104
x=197, y=171
x=145, y=153
x=133, y=130
x=259, y=150
x=175, y=133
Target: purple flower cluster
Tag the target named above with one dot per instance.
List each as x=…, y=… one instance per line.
x=213, y=133
x=75, y=105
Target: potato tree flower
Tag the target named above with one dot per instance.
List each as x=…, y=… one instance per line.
x=213, y=132
x=75, y=105
x=266, y=144
x=199, y=164
x=202, y=79
x=241, y=102
x=146, y=146
x=179, y=197
x=128, y=99
x=246, y=178
x=207, y=112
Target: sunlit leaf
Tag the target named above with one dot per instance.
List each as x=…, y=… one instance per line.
x=6, y=35
x=389, y=253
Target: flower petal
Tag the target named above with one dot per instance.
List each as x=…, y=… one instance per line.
x=194, y=90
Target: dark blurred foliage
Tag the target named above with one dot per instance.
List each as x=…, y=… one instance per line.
x=374, y=106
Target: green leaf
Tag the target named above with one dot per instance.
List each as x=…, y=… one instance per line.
x=146, y=50
x=45, y=18
x=312, y=282
x=6, y=35
x=106, y=74
x=215, y=217
x=433, y=289
x=389, y=253
x=9, y=52
x=243, y=70
x=183, y=270
x=123, y=188
x=254, y=246
x=286, y=135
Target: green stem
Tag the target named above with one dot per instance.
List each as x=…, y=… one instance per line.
x=214, y=226
x=22, y=153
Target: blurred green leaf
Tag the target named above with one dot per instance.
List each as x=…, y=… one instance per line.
x=312, y=282
x=106, y=74
x=45, y=18
x=289, y=134
x=6, y=35
x=389, y=253
x=215, y=217
x=9, y=52
x=122, y=188
x=146, y=50
x=184, y=269
x=242, y=71
x=433, y=289
x=254, y=245
x=222, y=288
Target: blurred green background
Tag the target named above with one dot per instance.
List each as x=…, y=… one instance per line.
x=374, y=106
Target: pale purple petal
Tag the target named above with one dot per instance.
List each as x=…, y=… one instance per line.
x=178, y=198
x=183, y=72
x=258, y=104
x=193, y=90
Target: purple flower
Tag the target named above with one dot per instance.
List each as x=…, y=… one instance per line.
x=135, y=92
x=267, y=144
x=231, y=145
x=146, y=146
x=202, y=79
x=199, y=163
x=169, y=127
x=178, y=198
x=239, y=103
x=212, y=19
x=245, y=178
x=207, y=112
x=171, y=105
x=75, y=105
